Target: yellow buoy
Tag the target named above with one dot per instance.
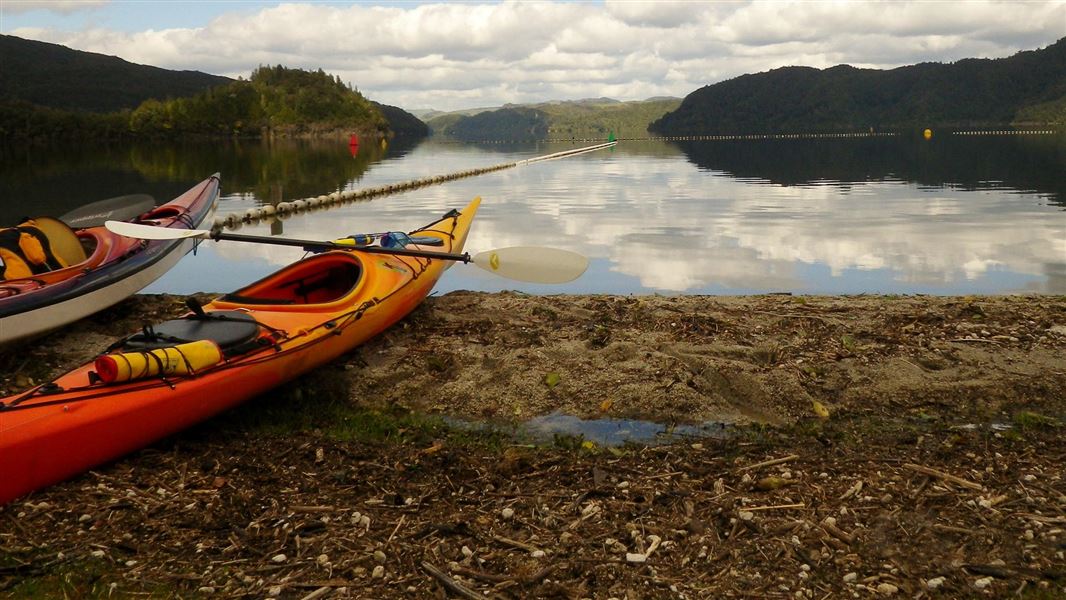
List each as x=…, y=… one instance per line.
x=928, y=133
x=174, y=360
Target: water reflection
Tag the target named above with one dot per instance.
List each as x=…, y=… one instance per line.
x=51, y=181
x=1013, y=163
x=954, y=216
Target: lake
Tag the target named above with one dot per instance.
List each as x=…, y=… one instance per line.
x=890, y=215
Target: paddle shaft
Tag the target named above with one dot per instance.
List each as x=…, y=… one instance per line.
x=323, y=245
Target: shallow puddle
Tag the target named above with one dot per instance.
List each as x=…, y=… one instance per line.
x=604, y=432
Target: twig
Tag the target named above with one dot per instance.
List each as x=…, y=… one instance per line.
x=312, y=509
x=770, y=463
x=945, y=476
x=315, y=595
x=515, y=543
x=450, y=583
x=779, y=506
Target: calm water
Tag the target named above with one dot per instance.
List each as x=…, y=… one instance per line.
x=953, y=215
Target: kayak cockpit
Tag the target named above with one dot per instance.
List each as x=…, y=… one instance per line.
x=321, y=279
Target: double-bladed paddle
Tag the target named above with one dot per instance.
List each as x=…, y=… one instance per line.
x=119, y=208
x=532, y=264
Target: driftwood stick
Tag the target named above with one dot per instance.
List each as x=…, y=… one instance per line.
x=451, y=584
x=515, y=543
x=778, y=507
x=944, y=476
x=838, y=533
x=770, y=463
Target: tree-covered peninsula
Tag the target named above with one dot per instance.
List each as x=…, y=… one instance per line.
x=1028, y=88
x=50, y=93
x=274, y=101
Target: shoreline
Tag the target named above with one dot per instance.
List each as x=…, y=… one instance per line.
x=867, y=426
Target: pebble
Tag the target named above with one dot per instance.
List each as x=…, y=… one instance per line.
x=982, y=583
x=378, y=572
x=746, y=515
x=84, y=519
x=850, y=577
x=537, y=554
x=279, y=558
x=507, y=513
x=274, y=591
x=97, y=553
x=206, y=590
x=467, y=552
x=935, y=583
x=379, y=556
x=323, y=559
x=887, y=589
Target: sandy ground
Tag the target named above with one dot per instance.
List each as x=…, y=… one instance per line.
x=904, y=446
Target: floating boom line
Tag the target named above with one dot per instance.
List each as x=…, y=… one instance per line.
x=325, y=201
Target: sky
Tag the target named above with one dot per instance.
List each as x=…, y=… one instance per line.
x=456, y=55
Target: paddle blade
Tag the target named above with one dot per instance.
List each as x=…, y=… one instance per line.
x=151, y=232
x=119, y=208
x=533, y=264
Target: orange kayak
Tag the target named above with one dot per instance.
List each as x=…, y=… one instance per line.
x=180, y=372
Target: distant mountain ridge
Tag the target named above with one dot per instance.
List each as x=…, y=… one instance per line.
x=585, y=118
x=55, y=76
x=1029, y=87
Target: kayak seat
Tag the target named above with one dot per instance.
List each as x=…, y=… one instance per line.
x=235, y=332
x=65, y=243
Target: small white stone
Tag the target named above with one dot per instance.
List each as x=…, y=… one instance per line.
x=131, y=563
x=982, y=583
x=279, y=558
x=745, y=515
x=84, y=519
x=206, y=590
x=887, y=589
x=97, y=553
x=850, y=577
x=274, y=591
x=935, y=583
x=378, y=572
x=379, y=556
x=635, y=558
x=467, y=552
x=507, y=513
x=323, y=559
x=537, y=554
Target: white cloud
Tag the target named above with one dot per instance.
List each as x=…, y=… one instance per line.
x=64, y=7
x=450, y=56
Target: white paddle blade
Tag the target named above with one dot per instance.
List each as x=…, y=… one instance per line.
x=533, y=264
x=150, y=232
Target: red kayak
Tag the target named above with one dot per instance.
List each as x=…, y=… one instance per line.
x=54, y=275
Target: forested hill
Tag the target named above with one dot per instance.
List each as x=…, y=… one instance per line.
x=1027, y=88
x=55, y=76
x=590, y=118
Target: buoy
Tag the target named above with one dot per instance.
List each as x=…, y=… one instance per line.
x=175, y=360
x=354, y=140
x=927, y=134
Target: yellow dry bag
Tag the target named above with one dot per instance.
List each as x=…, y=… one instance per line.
x=174, y=360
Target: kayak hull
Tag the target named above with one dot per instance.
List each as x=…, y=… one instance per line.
x=116, y=268
x=64, y=428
